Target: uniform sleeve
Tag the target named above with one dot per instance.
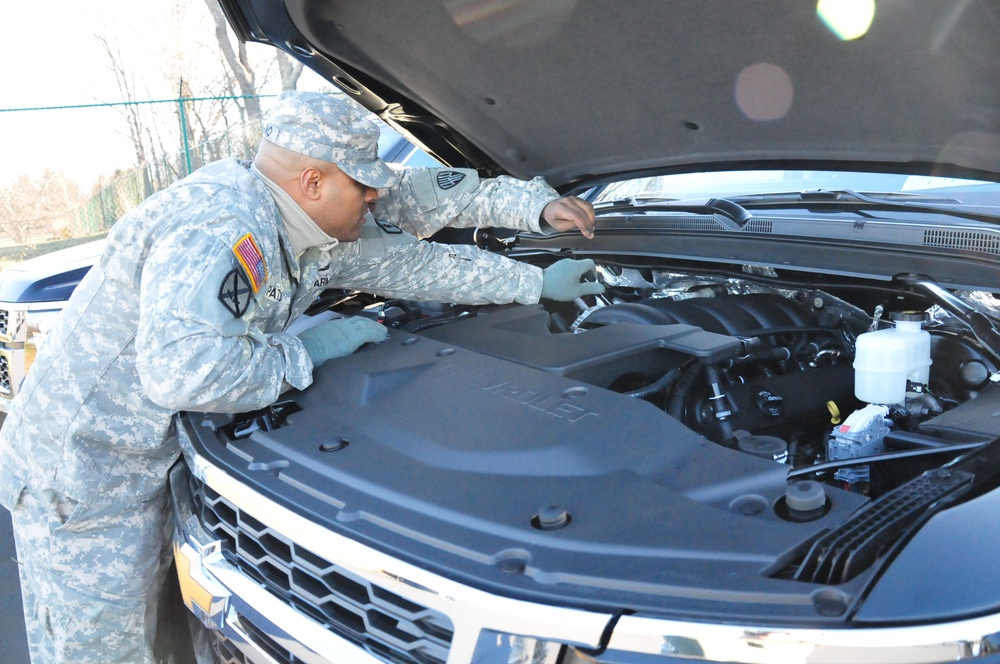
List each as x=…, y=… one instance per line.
x=428, y=199
x=399, y=266
x=196, y=347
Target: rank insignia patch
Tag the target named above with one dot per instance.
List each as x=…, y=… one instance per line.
x=234, y=293
x=448, y=179
x=249, y=256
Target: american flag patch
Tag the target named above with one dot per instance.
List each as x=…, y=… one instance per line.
x=249, y=256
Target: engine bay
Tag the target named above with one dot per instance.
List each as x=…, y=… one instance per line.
x=752, y=362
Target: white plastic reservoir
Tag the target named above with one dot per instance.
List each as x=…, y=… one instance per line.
x=886, y=359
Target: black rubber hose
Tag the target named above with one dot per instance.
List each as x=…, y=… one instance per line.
x=675, y=407
x=426, y=323
x=663, y=384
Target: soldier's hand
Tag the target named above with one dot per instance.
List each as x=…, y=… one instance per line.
x=341, y=336
x=570, y=212
x=561, y=280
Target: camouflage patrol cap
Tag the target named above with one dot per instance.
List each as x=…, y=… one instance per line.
x=329, y=128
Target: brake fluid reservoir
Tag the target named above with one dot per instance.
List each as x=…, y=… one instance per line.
x=886, y=359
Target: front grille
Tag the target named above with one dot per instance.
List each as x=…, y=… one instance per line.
x=225, y=651
x=386, y=625
x=4, y=374
x=4, y=314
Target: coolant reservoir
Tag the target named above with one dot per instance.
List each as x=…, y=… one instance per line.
x=887, y=359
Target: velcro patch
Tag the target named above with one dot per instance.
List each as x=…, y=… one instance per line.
x=448, y=179
x=234, y=292
x=249, y=255
x=391, y=229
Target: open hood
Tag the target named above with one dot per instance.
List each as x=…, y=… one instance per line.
x=573, y=90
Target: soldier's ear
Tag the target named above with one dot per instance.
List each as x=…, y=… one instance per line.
x=310, y=180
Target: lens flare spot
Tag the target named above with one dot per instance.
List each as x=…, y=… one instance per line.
x=764, y=92
x=848, y=19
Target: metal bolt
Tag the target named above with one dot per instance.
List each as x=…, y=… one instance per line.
x=552, y=517
x=512, y=566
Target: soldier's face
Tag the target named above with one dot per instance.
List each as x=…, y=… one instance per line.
x=343, y=204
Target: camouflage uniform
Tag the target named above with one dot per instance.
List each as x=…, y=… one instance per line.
x=187, y=311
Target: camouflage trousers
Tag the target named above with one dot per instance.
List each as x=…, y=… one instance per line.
x=91, y=577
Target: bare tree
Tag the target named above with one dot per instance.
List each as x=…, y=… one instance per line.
x=130, y=111
x=221, y=104
x=289, y=69
x=237, y=60
x=35, y=209
x=209, y=113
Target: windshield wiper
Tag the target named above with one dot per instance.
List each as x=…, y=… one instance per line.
x=735, y=210
x=847, y=199
x=734, y=215
x=878, y=198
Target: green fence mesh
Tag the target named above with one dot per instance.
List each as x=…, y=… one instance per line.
x=126, y=189
x=204, y=129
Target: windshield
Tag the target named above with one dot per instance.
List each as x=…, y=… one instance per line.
x=737, y=183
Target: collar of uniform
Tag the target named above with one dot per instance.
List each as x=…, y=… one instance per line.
x=302, y=231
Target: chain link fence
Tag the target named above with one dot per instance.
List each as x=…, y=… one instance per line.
x=126, y=189
x=36, y=218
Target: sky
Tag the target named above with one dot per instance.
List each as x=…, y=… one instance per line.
x=51, y=56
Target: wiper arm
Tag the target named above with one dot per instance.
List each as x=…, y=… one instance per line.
x=847, y=199
x=905, y=198
x=633, y=201
x=849, y=195
x=735, y=215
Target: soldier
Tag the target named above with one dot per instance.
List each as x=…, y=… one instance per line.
x=187, y=310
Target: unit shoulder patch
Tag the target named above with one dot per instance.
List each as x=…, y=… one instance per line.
x=448, y=179
x=250, y=257
x=235, y=292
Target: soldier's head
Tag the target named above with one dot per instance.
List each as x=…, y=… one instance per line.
x=323, y=151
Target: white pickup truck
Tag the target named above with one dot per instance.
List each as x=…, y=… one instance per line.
x=32, y=294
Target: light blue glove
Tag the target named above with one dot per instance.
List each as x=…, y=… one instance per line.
x=561, y=280
x=339, y=337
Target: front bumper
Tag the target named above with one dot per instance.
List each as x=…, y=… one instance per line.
x=385, y=609
x=266, y=628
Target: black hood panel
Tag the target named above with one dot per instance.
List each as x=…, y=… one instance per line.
x=570, y=89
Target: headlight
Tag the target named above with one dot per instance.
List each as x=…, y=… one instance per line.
x=37, y=327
